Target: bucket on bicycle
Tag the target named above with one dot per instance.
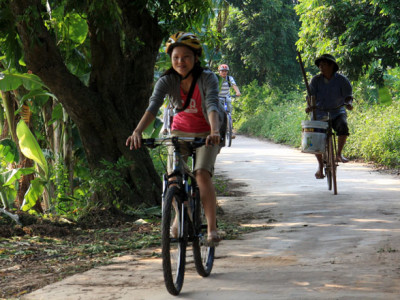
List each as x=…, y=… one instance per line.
x=313, y=137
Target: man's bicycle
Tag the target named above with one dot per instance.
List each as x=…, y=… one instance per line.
x=229, y=125
x=183, y=219
x=329, y=156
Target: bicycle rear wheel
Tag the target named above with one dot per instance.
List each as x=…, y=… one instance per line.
x=173, y=247
x=229, y=130
x=203, y=254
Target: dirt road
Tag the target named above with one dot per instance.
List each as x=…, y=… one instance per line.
x=320, y=246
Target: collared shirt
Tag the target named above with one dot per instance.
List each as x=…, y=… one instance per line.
x=330, y=93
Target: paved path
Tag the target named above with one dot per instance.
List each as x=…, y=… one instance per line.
x=321, y=246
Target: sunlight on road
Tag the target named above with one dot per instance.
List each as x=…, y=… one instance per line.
x=371, y=221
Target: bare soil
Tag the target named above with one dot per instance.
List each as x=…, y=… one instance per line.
x=43, y=251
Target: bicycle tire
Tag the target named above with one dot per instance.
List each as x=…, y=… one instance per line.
x=333, y=164
x=327, y=162
x=173, y=249
x=203, y=255
x=229, y=131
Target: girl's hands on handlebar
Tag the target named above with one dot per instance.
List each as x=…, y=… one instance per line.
x=134, y=140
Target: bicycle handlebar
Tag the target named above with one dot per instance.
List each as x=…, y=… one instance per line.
x=328, y=109
x=169, y=141
x=331, y=109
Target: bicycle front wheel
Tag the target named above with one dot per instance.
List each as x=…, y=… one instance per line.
x=333, y=165
x=202, y=253
x=330, y=165
x=229, y=130
x=174, y=241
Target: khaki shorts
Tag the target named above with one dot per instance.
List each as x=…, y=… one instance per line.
x=205, y=155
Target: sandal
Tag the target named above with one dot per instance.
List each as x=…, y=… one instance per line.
x=213, y=239
x=319, y=175
x=342, y=159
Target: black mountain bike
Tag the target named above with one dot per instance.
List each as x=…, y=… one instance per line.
x=183, y=219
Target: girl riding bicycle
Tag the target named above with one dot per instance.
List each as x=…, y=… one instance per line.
x=193, y=92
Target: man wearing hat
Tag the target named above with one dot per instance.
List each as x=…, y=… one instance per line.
x=332, y=90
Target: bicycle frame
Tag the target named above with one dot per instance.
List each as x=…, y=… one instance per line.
x=181, y=175
x=225, y=102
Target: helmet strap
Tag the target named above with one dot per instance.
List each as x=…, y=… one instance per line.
x=187, y=75
x=196, y=75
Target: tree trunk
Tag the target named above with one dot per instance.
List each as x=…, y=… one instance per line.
x=107, y=111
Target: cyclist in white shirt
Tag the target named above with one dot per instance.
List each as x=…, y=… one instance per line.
x=227, y=83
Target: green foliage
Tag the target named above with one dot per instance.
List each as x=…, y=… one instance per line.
x=30, y=148
x=35, y=190
x=363, y=34
x=159, y=156
x=260, y=41
x=11, y=80
x=153, y=130
x=375, y=134
x=9, y=183
x=9, y=151
x=277, y=117
x=254, y=98
x=63, y=203
x=109, y=180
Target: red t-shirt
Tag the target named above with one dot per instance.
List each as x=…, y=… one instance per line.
x=192, y=118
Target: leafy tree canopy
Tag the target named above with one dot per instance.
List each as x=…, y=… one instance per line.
x=363, y=34
x=260, y=42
